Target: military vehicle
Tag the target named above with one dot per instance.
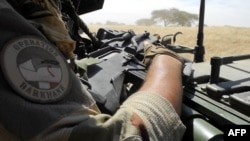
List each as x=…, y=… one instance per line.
x=216, y=93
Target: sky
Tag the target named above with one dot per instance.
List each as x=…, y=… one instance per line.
x=217, y=12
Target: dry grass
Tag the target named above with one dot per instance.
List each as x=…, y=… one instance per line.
x=218, y=41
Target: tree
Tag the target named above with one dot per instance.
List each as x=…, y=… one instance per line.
x=183, y=18
x=146, y=22
x=161, y=15
x=174, y=16
x=113, y=23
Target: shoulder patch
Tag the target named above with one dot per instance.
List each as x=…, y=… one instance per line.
x=35, y=69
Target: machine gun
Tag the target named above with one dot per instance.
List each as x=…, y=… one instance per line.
x=213, y=97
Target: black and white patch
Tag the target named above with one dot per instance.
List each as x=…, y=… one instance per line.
x=35, y=69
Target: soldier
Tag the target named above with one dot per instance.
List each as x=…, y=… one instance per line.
x=42, y=99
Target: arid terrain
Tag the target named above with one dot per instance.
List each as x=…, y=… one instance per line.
x=218, y=41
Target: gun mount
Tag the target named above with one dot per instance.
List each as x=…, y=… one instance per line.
x=213, y=97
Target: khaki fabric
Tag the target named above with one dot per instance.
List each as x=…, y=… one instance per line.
x=161, y=121
x=46, y=16
x=6, y=135
x=87, y=124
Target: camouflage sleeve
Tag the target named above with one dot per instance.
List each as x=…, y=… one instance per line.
x=46, y=16
x=90, y=125
x=161, y=121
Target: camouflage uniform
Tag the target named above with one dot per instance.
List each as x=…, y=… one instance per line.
x=73, y=115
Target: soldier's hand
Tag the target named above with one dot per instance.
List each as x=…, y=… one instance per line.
x=151, y=50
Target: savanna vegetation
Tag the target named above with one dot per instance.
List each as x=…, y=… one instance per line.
x=218, y=41
x=172, y=16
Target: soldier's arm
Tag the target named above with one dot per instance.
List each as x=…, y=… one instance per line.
x=163, y=79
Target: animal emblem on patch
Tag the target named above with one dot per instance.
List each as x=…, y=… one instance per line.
x=35, y=69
